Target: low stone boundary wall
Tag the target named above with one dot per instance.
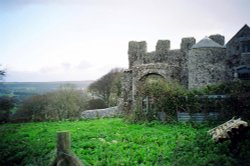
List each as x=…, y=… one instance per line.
x=101, y=113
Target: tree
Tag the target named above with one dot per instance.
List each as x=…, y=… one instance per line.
x=65, y=103
x=32, y=109
x=96, y=104
x=2, y=74
x=108, y=87
x=6, y=104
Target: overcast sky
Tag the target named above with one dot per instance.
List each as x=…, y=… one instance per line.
x=63, y=40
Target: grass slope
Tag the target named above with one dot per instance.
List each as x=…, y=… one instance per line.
x=106, y=142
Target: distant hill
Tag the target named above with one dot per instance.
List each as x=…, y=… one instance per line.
x=25, y=89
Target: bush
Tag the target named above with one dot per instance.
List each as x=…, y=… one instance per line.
x=65, y=103
x=159, y=96
x=108, y=87
x=96, y=104
x=6, y=104
x=204, y=151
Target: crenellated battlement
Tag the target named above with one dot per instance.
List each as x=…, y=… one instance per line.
x=187, y=43
x=193, y=65
x=163, y=54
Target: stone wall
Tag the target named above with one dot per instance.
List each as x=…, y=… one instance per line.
x=168, y=72
x=101, y=113
x=193, y=65
x=161, y=51
x=138, y=55
x=126, y=95
x=206, y=66
x=136, y=52
x=187, y=43
x=169, y=64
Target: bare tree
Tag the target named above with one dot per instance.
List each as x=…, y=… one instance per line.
x=108, y=87
x=2, y=73
x=65, y=103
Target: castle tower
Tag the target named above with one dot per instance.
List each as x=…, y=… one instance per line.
x=206, y=63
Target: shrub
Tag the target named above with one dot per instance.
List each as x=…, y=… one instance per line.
x=95, y=104
x=204, y=151
x=65, y=103
x=162, y=97
x=6, y=104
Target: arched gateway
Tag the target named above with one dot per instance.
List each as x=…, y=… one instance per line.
x=193, y=65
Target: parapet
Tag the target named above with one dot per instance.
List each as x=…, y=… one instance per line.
x=136, y=51
x=162, y=46
x=137, y=47
x=218, y=39
x=187, y=43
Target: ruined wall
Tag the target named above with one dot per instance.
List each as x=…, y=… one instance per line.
x=168, y=72
x=206, y=66
x=186, y=45
x=161, y=51
x=101, y=113
x=136, y=52
x=126, y=95
x=169, y=64
x=138, y=55
x=193, y=65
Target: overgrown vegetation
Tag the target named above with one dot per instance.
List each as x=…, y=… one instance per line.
x=108, y=87
x=65, y=103
x=115, y=142
x=2, y=73
x=157, y=95
x=6, y=105
x=161, y=96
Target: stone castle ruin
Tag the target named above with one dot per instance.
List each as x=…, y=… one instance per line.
x=194, y=65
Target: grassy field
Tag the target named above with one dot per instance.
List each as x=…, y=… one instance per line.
x=109, y=142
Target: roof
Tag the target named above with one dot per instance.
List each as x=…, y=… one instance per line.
x=244, y=28
x=207, y=43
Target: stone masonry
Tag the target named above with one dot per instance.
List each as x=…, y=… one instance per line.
x=194, y=65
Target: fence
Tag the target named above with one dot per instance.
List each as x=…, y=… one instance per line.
x=200, y=108
x=197, y=117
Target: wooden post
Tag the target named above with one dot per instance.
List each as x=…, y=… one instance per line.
x=65, y=157
x=63, y=142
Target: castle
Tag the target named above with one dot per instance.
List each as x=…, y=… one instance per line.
x=194, y=65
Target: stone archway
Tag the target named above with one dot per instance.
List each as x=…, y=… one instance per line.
x=142, y=100
x=164, y=71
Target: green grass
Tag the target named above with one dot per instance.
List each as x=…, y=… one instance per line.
x=101, y=142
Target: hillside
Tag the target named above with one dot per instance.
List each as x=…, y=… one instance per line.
x=25, y=89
